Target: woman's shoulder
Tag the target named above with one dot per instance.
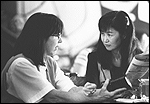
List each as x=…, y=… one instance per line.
x=22, y=65
x=22, y=62
x=92, y=55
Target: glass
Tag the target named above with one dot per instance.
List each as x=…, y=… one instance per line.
x=144, y=85
x=57, y=35
x=141, y=92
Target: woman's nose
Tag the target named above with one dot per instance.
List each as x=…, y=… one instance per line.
x=106, y=40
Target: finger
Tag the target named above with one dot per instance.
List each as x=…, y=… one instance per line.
x=87, y=90
x=105, y=84
x=86, y=84
x=117, y=96
x=118, y=90
x=87, y=93
x=90, y=85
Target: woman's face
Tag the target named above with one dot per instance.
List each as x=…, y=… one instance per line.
x=111, y=39
x=51, y=45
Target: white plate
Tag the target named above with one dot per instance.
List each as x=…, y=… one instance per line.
x=123, y=100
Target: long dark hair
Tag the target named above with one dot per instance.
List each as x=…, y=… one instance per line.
x=120, y=21
x=37, y=29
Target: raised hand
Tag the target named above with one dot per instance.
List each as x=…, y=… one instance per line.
x=103, y=93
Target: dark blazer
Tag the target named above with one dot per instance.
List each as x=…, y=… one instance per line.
x=92, y=75
x=92, y=72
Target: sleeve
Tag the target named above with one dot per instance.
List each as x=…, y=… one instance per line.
x=120, y=83
x=92, y=73
x=63, y=82
x=27, y=83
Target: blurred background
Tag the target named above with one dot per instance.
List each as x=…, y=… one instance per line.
x=80, y=20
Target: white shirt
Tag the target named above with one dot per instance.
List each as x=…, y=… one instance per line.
x=27, y=83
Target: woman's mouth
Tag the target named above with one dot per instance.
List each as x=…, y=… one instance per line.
x=106, y=45
x=56, y=48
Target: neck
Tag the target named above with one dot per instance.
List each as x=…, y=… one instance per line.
x=116, y=58
x=116, y=53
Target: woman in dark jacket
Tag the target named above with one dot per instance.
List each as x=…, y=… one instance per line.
x=114, y=51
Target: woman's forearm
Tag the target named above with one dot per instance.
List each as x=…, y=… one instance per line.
x=75, y=95
x=78, y=95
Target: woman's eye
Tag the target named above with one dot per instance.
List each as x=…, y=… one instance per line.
x=110, y=35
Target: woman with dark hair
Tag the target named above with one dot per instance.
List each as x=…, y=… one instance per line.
x=31, y=75
x=114, y=51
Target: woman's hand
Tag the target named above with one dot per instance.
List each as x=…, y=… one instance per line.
x=89, y=93
x=89, y=88
x=103, y=93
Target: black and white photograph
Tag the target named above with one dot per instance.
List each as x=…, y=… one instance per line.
x=74, y=51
